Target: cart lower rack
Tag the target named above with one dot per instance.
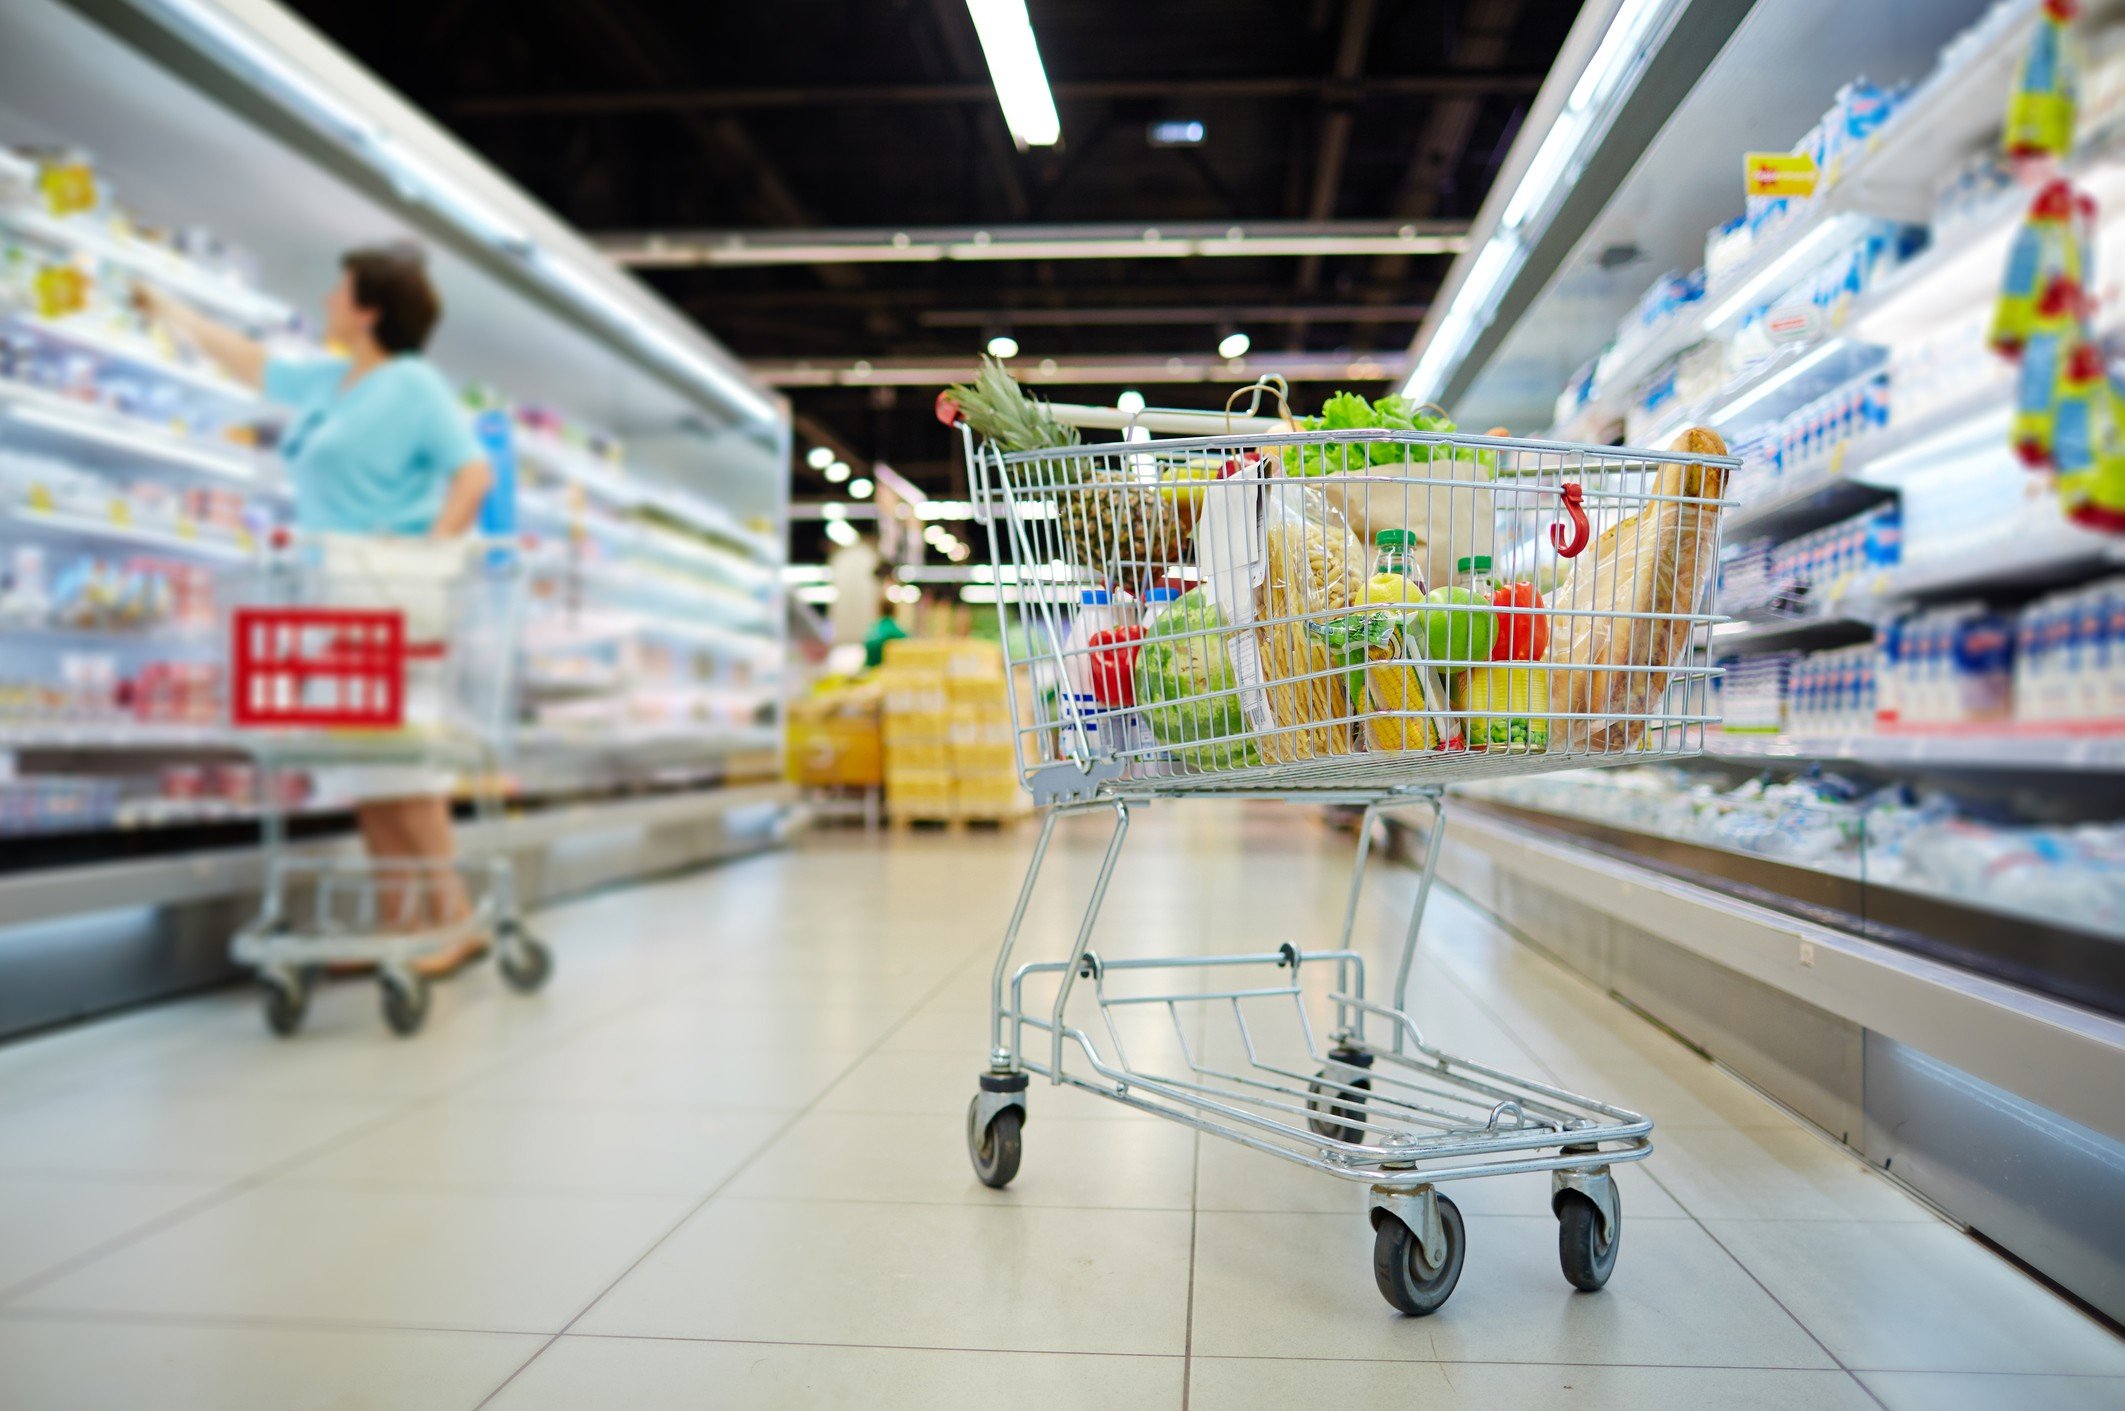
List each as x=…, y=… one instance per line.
x=1195, y=619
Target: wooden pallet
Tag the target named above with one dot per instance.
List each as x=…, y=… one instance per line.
x=918, y=822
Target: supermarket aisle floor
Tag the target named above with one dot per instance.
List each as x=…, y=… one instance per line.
x=720, y=1163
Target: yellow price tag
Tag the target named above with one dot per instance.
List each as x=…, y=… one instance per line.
x=121, y=512
x=1837, y=458
x=1779, y=174
x=187, y=529
x=41, y=498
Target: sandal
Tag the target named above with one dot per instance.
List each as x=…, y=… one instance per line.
x=444, y=964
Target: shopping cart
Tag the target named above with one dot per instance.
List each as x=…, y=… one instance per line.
x=1309, y=660
x=374, y=661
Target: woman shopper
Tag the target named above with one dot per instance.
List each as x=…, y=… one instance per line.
x=378, y=449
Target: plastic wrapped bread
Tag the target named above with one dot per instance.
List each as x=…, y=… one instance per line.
x=1622, y=613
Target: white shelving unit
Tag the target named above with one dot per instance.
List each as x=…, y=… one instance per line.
x=1952, y=749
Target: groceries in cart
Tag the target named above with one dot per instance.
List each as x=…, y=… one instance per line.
x=1366, y=582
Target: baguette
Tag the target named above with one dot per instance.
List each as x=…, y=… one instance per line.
x=1656, y=563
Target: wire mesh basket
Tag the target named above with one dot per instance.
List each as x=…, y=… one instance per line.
x=1349, y=611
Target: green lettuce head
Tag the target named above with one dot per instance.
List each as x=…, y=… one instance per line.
x=1186, y=687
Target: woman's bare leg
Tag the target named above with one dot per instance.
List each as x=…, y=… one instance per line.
x=384, y=839
x=426, y=829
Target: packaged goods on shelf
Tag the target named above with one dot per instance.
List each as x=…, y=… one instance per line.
x=1813, y=441
x=2069, y=657
x=1948, y=368
x=1751, y=694
x=835, y=741
x=948, y=730
x=1809, y=572
x=1833, y=692
x=1890, y=836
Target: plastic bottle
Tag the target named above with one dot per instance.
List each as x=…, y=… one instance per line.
x=1391, y=683
x=2040, y=112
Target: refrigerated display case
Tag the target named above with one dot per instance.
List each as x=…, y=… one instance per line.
x=228, y=154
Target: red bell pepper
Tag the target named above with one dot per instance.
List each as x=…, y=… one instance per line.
x=1523, y=628
x=1114, y=665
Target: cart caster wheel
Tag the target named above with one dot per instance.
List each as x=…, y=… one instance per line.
x=287, y=1002
x=1588, y=1256
x=1342, y=1111
x=405, y=1004
x=996, y=1148
x=526, y=962
x=1339, y=1115
x=1409, y=1281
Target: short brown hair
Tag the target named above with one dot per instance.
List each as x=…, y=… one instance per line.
x=391, y=281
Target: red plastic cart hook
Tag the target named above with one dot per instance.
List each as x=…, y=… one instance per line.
x=1580, y=531
x=947, y=408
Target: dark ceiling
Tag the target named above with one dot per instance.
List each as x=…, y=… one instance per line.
x=637, y=115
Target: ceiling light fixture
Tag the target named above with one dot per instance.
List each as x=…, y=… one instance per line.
x=841, y=532
x=1234, y=345
x=1003, y=345
x=819, y=457
x=1021, y=81
x=860, y=488
x=1129, y=403
x=1177, y=132
x=1633, y=31
x=836, y=472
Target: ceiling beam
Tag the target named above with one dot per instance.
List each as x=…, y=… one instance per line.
x=1096, y=370
x=1334, y=148
x=1151, y=315
x=679, y=100
x=930, y=244
x=1119, y=294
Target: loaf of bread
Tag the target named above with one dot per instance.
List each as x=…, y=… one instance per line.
x=1624, y=606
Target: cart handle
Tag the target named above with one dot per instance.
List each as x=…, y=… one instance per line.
x=1571, y=543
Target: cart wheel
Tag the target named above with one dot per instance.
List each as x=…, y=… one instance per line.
x=405, y=1003
x=287, y=1002
x=1343, y=1111
x=525, y=960
x=1588, y=1256
x=1409, y=1281
x=996, y=1148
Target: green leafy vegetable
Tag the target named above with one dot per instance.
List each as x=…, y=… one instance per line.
x=1347, y=411
x=1185, y=687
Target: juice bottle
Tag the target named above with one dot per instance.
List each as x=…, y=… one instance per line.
x=1392, y=681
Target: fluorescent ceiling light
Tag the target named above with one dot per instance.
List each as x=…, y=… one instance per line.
x=1177, y=132
x=819, y=594
x=1003, y=345
x=1035, y=242
x=841, y=532
x=1234, y=345
x=819, y=457
x=861, y=488
x=1007, y=42
x=1582, y=121
x=1501, y=255
x=794, y=573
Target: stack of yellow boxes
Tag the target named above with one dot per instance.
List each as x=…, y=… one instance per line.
x=835, y=740
x=948, y=732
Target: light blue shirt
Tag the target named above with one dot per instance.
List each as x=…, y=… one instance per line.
x=374, y=458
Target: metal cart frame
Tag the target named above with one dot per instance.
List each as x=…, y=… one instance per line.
x=1359, y=1095
x=324, y=909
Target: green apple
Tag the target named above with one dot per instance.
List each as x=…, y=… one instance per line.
x=1460, y=628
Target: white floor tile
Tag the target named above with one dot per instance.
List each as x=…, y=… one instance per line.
x=1268, y=1384
x=1770, y=1173
x=95, y=1365
x=1302, y=1286
x=1965, y=1391
x=613, y=1068
x=474, y=1145
x=1069, y=1161
x=749, y=1376
x=488, y=1261
x=1909, y=1297
x=45, y=1221
x=944, y=1083
x=128, y=1130
x=1024, y=1279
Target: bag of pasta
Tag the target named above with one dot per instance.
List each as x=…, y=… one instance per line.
x=1315, y=567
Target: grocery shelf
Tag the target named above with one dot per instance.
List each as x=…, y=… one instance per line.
x=143, y=355
x=121, y=737
x=739, y=570
x=186, y=540
x=1770, y=634
x=159, y=636
x=1957, y=748
x=102, y=438
x=211, y=291
x=2032, y=558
